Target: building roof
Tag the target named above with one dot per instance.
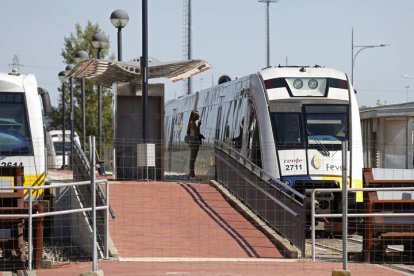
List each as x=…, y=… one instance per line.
x=394, y=110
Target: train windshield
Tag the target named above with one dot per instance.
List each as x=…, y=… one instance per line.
x=326, y=124
x=316, y=125
x=59, y=147
x=14, y=131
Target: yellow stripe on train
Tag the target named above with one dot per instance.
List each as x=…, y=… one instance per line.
x=35, y=180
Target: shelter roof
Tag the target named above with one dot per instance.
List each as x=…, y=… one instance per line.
x=108, y=72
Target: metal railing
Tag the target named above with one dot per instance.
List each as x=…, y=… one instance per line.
x=30, y=216
x=282, y=207
x=353, y=215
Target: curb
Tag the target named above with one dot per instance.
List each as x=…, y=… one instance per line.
x=287, y=249
x=113, y=252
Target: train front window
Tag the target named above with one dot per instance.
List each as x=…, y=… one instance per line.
x=287, y=128
x=59, y=147
x=326, y=124
x=14, y=131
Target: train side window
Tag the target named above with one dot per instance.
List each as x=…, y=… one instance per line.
x=254, y=151
x=218, y=121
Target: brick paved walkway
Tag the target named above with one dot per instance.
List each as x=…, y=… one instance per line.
x=182, y=220
x=189, y=222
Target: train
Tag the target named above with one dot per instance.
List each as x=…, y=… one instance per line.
x=55, y=149
x=290, y=121
x=22, y=130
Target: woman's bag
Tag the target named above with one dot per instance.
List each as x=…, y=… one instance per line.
x=188, y=139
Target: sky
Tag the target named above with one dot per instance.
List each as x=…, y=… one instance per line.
x=231, y=36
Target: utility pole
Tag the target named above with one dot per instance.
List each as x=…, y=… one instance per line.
x=268, y=29
x=187, y=38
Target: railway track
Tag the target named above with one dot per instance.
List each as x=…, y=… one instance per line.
x=331, y=249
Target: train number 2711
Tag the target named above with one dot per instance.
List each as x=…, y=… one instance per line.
x=11, y=164
x=293, y=167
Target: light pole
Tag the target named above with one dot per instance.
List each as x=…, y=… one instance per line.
x=62, y=78
x=189, y=43
x=406, y=88
x=406, y=92
x=361, y=47
x=268, y=30
x=119, y=18
x=99, y=41
x=144, y=71
x=68, y=68
x=79, y=56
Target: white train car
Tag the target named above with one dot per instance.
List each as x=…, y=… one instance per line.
x=58, y=151
x=22, y=141
x=290, y=121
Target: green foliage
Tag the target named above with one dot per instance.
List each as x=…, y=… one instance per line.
x=81, y=39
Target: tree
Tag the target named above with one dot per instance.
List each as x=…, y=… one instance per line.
x=81, y=39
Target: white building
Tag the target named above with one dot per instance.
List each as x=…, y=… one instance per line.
x=388, y=134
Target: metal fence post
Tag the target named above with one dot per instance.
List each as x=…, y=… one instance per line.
x=92, y=163
x=106, y=221
x=344, y=205
x=313, y=224
x=30, y=246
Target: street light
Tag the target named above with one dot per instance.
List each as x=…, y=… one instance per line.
x=62, y=77
x=406, y=88
x=406, y=92
x=68, y=68
x=99, y=41
x=268, y=30
x=79, y=56
x=119, y=18
x=407, y=77
x=362, y=47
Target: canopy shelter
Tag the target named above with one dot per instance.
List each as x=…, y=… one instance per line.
x=107, y=72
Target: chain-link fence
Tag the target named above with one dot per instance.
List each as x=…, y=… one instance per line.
x=157, y=210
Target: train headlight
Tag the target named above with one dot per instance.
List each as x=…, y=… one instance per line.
x=298, y=83
x=313, y=84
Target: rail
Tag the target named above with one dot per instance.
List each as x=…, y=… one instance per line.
x=30, y=216
x=83, y=167
x=359, y=215
x=282, y=207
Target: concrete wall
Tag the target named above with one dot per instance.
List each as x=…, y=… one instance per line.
x=128, y=130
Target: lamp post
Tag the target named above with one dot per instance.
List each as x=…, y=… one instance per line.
x=119, y=18
x=68, y=68
x=361, y=48
x=406, y=92
x=79, y=56
x=268, y=30
x=99, y=41
x=189, y=43
x=144, y=70
x=62, y=77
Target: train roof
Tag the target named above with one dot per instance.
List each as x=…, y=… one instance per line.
x=301, y=71
x=13, y=82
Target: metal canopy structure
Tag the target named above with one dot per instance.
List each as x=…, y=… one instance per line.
x=108, y=72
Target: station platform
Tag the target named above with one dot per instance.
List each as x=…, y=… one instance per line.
x=177, y=228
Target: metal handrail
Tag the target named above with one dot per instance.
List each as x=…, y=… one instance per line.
x=30, y=216
x=278, y=202
x=85, y=160
x=359, y=215
x=220, y=144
